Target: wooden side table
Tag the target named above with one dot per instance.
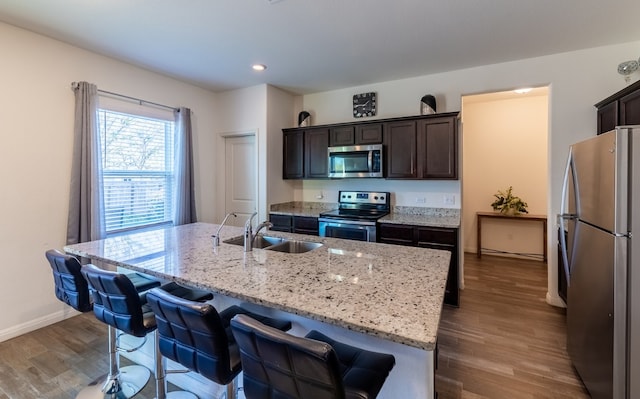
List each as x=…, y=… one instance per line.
x=522, y=217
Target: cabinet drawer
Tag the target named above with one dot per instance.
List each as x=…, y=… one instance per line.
x=396, y=234
x=436, y=236
x=280, y=222
x=305, y=225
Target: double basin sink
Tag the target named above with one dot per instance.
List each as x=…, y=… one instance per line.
x=277, y=244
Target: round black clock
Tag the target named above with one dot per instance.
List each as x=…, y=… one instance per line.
x=364, y=104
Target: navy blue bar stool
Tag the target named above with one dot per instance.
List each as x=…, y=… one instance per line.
x=280, y=365
x=199, y=338
x=119, y=305
x=72, y=288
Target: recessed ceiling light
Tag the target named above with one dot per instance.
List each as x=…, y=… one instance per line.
x=259, y=67
x=522, y=91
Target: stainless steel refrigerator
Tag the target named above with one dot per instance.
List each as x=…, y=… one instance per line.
x=602, y=192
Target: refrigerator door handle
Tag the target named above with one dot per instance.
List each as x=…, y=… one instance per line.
x=565, y=216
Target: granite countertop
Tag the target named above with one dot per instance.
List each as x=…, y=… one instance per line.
x=417, y=216
x=298, y=208
x=388, y=291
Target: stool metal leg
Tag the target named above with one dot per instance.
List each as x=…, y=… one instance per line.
x=120, y=383
x=161, y=376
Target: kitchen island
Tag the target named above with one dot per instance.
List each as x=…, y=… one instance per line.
x=378, y=296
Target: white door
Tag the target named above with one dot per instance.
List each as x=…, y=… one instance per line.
x=240, y=178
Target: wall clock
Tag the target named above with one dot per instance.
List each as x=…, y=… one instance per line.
x=364, y=104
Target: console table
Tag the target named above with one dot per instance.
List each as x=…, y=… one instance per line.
x=522, y=217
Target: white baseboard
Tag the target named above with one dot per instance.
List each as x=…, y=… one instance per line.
x=35, y=324
x=555, y=300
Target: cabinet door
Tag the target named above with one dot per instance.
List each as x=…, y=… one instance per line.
x=292, y=154
x=400, y=138
x=607, y=117
x=316, y=162
x=341, y=136
x=447, y=240
x=369, y=134
x=438, y=148
x=630, y=109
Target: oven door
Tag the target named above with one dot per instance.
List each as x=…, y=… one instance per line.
x=347, y=229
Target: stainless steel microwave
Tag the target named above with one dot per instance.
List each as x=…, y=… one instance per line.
x=356, y=161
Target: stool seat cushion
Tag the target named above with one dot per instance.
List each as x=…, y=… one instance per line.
x=363, y=372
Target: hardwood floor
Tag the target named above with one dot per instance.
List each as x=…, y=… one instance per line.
x=503, y=342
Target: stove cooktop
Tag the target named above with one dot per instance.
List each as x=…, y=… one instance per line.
x=360, y=205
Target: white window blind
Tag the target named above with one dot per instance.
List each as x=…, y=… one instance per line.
x=138, y=170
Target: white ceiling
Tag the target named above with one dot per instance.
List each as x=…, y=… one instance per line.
x=318, y=45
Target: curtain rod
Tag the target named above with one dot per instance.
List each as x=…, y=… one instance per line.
x=74, y=85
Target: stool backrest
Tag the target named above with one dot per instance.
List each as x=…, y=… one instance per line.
x=70, y=286
x=116, y=301
x=192, y=334
x=279, y=365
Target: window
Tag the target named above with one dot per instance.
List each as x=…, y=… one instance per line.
x=138, y=170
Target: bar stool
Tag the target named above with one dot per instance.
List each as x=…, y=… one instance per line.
x=199, y=338
x=119, y=305
x=72, y=288
x=280, y=365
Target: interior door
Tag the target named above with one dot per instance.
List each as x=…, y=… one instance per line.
x=240, y=178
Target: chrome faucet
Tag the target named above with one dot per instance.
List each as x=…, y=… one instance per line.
x=249, y=236
x=216, y=237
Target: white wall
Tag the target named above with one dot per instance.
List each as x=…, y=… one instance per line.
x=36, y=109
x=505, y=144
x=577, y=81
x=264, y=110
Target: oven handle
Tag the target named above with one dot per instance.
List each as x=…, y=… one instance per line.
x=339, y=223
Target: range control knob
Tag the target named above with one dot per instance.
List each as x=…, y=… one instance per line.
x=382, y=198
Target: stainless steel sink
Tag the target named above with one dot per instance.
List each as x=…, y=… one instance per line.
x=295, y=247
x=260, y=242
x=277, y=244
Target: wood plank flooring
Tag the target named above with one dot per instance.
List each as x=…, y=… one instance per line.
x=503, y=342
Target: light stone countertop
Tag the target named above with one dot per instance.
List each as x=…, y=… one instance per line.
x=418, y=216
x=388, y=291
x=298, y=208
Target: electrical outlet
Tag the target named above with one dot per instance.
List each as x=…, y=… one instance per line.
x=421, y=200
x=449, y=199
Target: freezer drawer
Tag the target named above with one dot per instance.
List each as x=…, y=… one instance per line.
x=590, y=309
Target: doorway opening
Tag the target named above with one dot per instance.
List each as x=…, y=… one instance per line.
x=505, y=144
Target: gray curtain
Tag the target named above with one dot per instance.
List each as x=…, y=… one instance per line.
x=185, y=201
x=86, y=219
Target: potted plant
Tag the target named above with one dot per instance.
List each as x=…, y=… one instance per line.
x=509, y=204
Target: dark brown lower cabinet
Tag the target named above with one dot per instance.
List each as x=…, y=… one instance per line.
x=428, y=237
x=294, y=224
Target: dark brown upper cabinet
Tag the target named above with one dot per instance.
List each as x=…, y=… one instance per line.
x=401, y=142
x=619, y=109
x=438, y=148
x=426, y=148
x=316, y=164
x=305, y=153
x=416, y=147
